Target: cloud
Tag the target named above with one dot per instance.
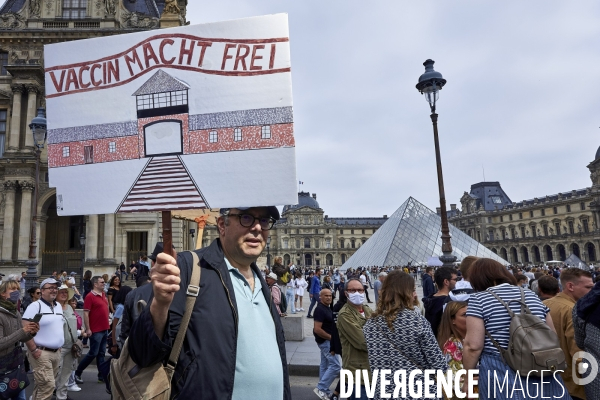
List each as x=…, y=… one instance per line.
x=521, y=97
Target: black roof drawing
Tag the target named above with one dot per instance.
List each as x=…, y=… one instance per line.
x=161, y=82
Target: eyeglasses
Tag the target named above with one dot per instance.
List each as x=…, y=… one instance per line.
x=355, y=290
x=248, y=221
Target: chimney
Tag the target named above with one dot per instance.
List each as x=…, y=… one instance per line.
x=314, y=196
x=453, y=206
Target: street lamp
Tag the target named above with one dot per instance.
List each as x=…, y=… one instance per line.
x=38, y=129
x=82, y=244
x=430, y=84
x=268, y=254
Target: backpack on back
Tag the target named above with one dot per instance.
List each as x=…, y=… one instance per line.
x=129, y=381
x=532, y=346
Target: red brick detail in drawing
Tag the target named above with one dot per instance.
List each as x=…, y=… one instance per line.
x=105, y=150
x=281, y=135
x=164, y=182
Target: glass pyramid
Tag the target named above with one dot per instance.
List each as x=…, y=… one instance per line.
x=413, y=234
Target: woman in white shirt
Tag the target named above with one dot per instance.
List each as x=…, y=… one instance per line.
x=300, y=284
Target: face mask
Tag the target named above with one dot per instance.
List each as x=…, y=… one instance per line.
x=14, y=297
x=356, y=298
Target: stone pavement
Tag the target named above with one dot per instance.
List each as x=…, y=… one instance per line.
x=304, y=356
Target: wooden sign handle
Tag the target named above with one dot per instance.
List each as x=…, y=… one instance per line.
x=167, y=232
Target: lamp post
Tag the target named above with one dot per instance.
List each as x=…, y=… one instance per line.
x=38, y=129
x=82, y=244
x=268, y=254
x=430, y=84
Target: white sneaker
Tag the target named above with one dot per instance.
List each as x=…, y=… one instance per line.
x=73, y=388
x=322, y=395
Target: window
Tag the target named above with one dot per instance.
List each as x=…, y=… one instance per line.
x=353, y=243
x=74, y=9
x=531, y=214
x=326, y=230
x=568, y=208
x=286, y=243
x=352, y=231
x=266, y=132
x=341, y=232
x=545, y=230
x=285, y=231
x=489, y=220
x=341, y=243
x=533, y=233
x=543, y=212
x=297, y=243
x=496, y=199
x=317, y=244
x=363, y=231
x=586, y=228
x=316, y=231
x=2, y=132
x=88, y=152
x=491, y=234
x=213, y=137
x=327, y=243
x=522, y=231
x=555, y=210
x=510, y=217
x=557, y=227
x=306, y=219
x=112, y=147
x=520, y=215
x=161, y=100
x=582, y=206
x=3, y=63
x=237, y=135
x=513, y=233
x=306, y=243
x=571, y=227
x=66, y=151
x=501, y=218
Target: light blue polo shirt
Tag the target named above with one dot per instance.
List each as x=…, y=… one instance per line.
x=258, y=370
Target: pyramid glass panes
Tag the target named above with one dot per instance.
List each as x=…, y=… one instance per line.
x=413, y=234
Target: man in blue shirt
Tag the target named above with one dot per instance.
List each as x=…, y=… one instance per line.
x=315, y=290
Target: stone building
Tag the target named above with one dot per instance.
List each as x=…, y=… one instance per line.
x=545, y=228
x=25, y=27
x=307, y=237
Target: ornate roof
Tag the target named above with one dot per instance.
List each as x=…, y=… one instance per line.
x=12, y=6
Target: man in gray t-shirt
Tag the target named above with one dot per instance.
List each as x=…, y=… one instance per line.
x=377, y=285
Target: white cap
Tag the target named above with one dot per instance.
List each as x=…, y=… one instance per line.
x=50, y=281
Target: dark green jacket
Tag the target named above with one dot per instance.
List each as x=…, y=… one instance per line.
x=354, y=346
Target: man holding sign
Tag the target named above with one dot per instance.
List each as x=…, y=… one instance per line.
x=229, y=349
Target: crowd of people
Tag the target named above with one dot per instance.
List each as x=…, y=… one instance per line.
x=461, y=323
x=43, y=336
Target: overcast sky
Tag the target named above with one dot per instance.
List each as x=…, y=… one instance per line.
x=522, y=98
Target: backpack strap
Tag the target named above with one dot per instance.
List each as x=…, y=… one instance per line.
x=192, y=292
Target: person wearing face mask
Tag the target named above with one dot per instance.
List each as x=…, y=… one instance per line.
x=13, y=331
x=350, y=322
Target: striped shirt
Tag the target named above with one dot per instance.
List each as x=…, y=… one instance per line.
x=495, y=317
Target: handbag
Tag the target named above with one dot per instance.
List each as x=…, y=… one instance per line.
x=77, y=348
x=13, y=377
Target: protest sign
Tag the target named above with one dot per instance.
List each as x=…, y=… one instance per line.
x=192, y=117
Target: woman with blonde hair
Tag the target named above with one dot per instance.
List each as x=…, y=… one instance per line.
x=397, y=336
x=13, y=331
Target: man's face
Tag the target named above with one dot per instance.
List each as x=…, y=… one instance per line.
x=318, y=273
x=353, y=286
x=49, y=292
x=99, y=285
x=581, y=287
x=326, y=297
x=452, y=282
x=243, y=244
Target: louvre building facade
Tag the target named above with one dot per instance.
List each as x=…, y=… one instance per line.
x=545, y=228
x=25, y=27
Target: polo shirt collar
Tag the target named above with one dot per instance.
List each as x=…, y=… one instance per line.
x=48, y=304
x=97, y=294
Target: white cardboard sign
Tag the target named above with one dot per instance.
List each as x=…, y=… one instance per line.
x=192, y=117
